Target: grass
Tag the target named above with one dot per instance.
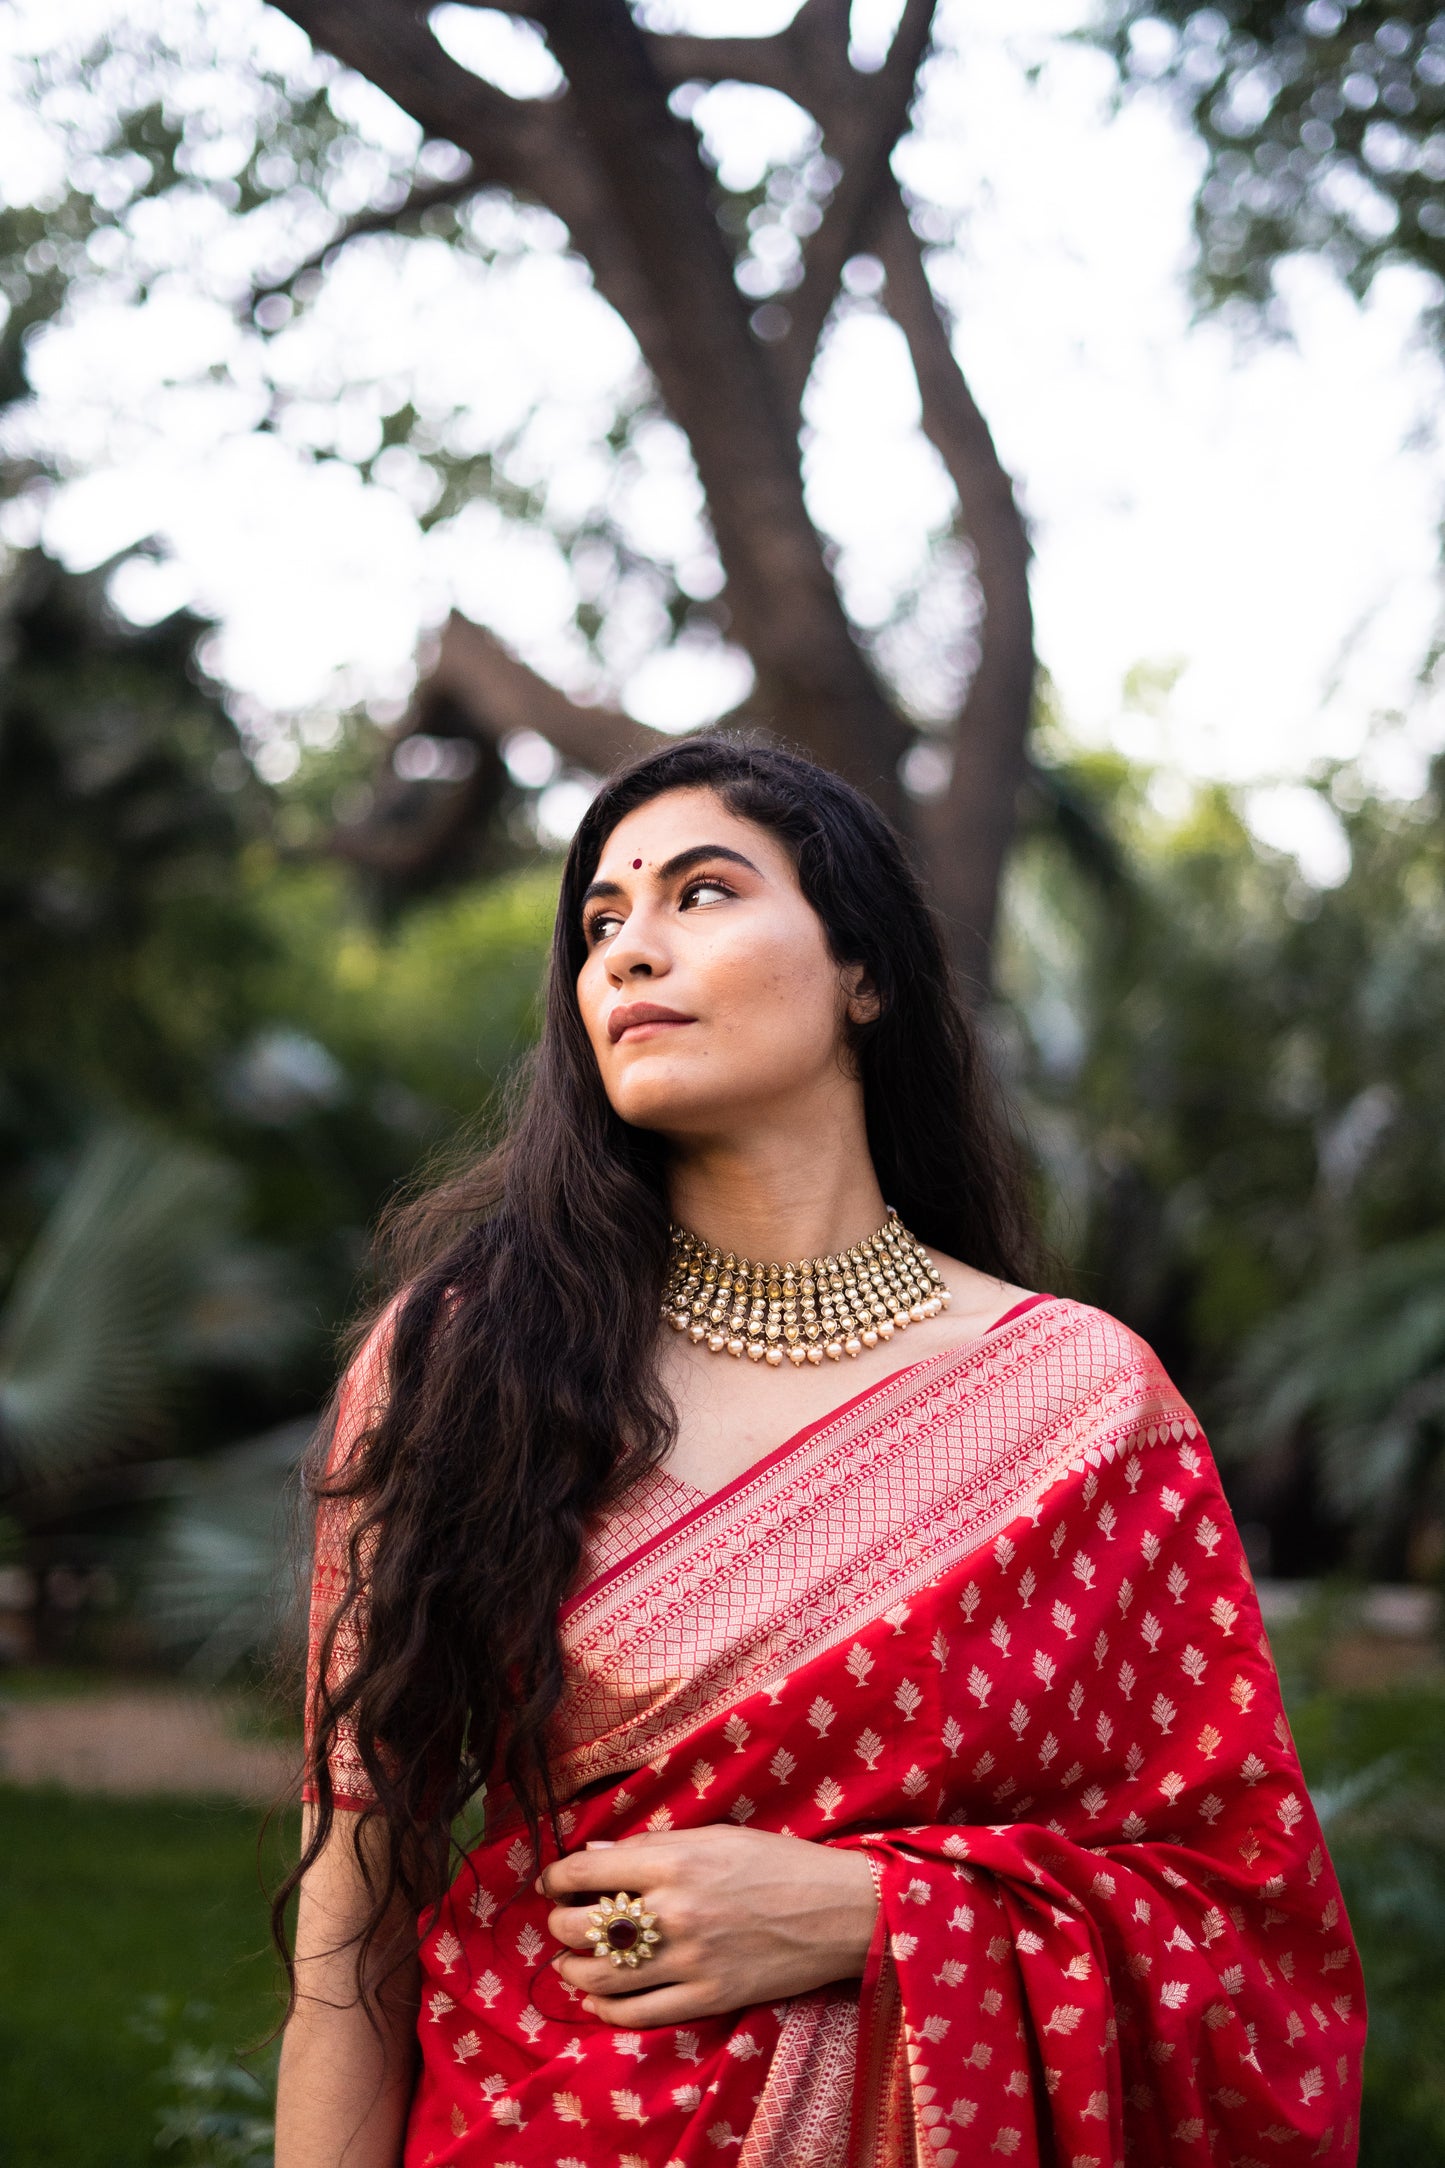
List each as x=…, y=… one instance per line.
x=113, y=1911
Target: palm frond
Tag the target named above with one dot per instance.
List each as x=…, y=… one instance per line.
x=1362, y=1359
x=84, y=1339
x=215, y=1586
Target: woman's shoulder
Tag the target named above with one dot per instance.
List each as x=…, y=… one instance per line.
x=1089, y=1327
x=1091, y=1357
x=361, y=1396
x=1112, y=1398
x=1087, y=1341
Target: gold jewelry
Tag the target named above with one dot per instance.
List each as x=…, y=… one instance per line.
x=831, y=1306
x=619, y=1928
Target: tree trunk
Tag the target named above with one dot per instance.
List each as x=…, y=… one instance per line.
x=967, y=832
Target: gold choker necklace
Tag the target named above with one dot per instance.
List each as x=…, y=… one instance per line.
x=831, y=1306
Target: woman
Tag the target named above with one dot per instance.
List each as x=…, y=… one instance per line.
x=891, y=1724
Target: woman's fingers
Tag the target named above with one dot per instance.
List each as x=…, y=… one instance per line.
x=599, y=1976
x=601, y=1873
x=604, y=1869
x=568, y=1924
x=667, y=2005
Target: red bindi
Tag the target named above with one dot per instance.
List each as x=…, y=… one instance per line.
x=636, y=863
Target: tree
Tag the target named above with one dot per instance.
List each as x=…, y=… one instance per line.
x=125, y=806
x=612, y=158
x=1321, y=124
x=1358, y=1364
x=1230, y=1080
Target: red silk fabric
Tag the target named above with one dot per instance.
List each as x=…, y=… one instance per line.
x=992, y=1625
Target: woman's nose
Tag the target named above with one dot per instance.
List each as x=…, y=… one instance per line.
x=636, y=952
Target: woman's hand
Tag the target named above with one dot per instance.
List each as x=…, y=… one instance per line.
x=745, y=1917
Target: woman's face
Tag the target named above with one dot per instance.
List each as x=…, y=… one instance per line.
x=708, y=991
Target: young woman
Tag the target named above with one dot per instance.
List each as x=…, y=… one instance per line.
x=833, y=1662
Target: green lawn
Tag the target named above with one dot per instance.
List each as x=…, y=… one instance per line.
x=105, y=1905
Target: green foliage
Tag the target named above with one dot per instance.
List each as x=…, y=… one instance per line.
x=89, y=1335
x=214, y=1585
x=1231, y=1078
x=370, y=1047
x=1362, y=1359
x=438, y=1004
x=124, y=806
x=217, y=1066
x=1320, y=121
x=221, y=2114
x=1376, y=1767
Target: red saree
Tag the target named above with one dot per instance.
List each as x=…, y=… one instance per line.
x=989, y=1622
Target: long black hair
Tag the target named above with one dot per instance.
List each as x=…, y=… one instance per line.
x=522, y=1391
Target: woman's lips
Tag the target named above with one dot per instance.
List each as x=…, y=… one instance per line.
x=640, y=1017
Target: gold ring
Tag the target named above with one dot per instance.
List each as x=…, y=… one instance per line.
x=620, y=1928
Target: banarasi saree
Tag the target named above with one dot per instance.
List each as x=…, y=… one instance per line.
x=989, y=1622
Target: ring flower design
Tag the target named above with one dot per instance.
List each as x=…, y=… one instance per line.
x=621, y=1928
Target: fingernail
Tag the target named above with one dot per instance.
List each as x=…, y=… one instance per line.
x=537, y=1885
x=600, y=1844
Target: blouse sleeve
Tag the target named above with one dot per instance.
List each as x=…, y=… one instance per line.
x=360, y=1402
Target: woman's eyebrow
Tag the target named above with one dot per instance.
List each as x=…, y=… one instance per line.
x=696, y=854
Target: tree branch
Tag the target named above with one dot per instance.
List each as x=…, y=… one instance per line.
x=969, y=830
x=497, y=694
x=429, y=196
x=810, y=56
x=477, y=690
x=532, y=147
x=770, y=62
x=861, y=123
x=393, y=48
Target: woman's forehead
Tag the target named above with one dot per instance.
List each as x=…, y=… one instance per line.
x=683, y=820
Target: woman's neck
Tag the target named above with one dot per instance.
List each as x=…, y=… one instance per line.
x=777, y=1198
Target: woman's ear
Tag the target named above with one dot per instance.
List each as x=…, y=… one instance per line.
x=862, y=1003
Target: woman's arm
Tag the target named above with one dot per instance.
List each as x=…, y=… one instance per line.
x=346, y=2074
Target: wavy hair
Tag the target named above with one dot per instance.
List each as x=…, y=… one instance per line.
x=521, y=1387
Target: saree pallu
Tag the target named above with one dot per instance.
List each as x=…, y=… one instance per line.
x=990, y=1624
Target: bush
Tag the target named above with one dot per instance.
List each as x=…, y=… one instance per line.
x=1376, y=1767
x=220, y=2115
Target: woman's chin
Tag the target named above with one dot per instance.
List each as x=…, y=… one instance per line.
x=667, y=1105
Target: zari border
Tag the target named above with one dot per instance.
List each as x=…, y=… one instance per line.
x=804, y=2112
x=712, y=1502
x=884, y=2132
x=967, y=1445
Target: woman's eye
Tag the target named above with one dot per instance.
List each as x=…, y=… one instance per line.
x=705, y=892
x=605, y=923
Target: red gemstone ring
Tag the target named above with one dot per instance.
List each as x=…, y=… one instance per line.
x=621, y=1929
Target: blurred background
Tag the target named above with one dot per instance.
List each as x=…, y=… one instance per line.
x=1029, y=407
